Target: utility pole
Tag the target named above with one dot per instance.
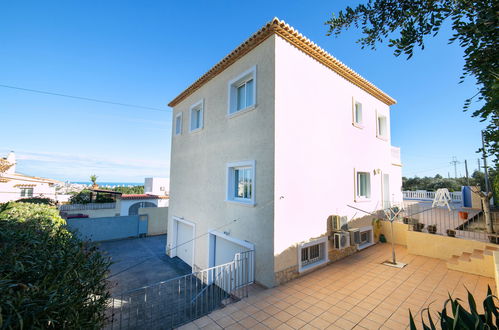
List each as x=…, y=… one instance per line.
x=466, y=169
x=487, y=187
x=478, y=159
x=455, y=162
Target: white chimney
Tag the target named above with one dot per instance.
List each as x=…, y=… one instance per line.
x=11, y=158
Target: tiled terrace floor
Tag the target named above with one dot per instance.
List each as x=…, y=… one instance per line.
x=356, y=292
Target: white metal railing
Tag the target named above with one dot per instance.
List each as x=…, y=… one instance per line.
x=395, y=153
x=172, y=303
x=89, y=206
x=424, y=195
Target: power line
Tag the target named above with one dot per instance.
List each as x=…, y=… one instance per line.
x=84, y=98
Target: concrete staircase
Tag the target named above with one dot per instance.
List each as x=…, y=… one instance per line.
x=479, y=262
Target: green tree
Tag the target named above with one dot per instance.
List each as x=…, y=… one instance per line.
x=474, y=25
x=94, y=178
x=49, y=279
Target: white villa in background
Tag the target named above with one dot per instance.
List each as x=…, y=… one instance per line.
x=14, y=186
x=266, y=146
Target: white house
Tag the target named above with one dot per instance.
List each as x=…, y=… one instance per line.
x=14, y=186
x=266, y=146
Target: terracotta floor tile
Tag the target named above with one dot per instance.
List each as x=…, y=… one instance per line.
x=283, y=316
x=260, y=316
x=344, y=324
x=305, y=316
x=320, y=323
x=248, y=322
x=350, y=316
x=238, y=315
x=272, y=322
x=225, y=321
x=296, y=323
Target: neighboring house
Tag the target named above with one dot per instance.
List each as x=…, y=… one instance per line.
x=266, y=146
x=155, y=195
x=14, y=186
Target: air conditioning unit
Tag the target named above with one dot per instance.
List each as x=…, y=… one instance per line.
x=341, y=240
x=338, y=223
x=354, y=236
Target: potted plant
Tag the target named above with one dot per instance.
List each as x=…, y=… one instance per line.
x=418, y=226
x=93, y=178
x=451, y=233
x=377, y=228
x=493, y=239
x=432, y=229
x=463, y=215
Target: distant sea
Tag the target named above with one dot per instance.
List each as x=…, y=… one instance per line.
x=111, y=184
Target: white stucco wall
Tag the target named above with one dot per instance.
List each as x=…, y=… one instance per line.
x=126, y=203
x=317, y=148
x=198, y=175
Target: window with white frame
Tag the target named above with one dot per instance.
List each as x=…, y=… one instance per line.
x=357, y=113
x=242, y=91
x=197, y=113
x=241, y=182
x=363, y=185
x=312, y=254
x=26, y=192
x=178, y=123
x=382, y=127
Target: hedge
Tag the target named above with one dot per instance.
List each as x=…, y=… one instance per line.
x=48, y=277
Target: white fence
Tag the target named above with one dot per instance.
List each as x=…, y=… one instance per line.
x=89, y=206
x=172, y=303
x=423, y=195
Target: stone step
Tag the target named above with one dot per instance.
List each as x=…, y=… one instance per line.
x=453, y=260
x=466, y=256
x=477, y=253
x=489, y=250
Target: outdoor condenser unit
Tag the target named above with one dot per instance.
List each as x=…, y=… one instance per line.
x=341, y=240
x=354, y=236
x=339, y=223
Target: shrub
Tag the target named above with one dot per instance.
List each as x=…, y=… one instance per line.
x=37, y=200
x=463, y=319
x=83, y=197
x=45, y=216
x=48, y=277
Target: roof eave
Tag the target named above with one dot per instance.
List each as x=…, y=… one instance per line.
x=296, y=39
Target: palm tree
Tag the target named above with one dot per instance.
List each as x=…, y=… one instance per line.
x=93, y=178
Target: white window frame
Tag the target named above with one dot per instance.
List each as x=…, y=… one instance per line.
x=24, y=192
x=178, y=115
x=322, y=241
x=359, y=198
x=232, y=92
x=378, y=133
x=354, y=113
x=198, y=106
x=231, y=183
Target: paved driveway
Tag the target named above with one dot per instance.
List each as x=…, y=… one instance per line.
x=138, y=262
x=356, y=292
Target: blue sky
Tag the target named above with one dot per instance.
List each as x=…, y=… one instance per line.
x=146, y=52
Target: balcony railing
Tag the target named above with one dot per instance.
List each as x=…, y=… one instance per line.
x=89, y=206
x=424, y=195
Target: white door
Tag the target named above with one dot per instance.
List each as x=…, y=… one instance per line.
x=185, y=242
x=226, y=250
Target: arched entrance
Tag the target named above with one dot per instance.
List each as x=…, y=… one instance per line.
x=134, y=209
